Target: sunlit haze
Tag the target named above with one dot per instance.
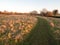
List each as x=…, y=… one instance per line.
x=28, y=5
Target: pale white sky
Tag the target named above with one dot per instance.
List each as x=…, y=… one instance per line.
x=28, y=5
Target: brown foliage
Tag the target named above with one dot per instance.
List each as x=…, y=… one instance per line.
x=49, y=14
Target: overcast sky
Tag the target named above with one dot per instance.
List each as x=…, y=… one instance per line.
x=29, y=5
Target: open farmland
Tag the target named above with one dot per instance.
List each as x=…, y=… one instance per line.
x=29, y=30
x=14, y=28
x=44, y=33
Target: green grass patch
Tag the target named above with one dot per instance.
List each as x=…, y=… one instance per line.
x=41, y=34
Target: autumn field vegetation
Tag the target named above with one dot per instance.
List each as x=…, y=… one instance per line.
x=29, y=30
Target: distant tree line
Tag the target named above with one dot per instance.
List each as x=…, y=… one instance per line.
x=44, y=12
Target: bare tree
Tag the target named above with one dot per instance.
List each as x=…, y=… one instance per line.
x=43, y=12
x=34, y=12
